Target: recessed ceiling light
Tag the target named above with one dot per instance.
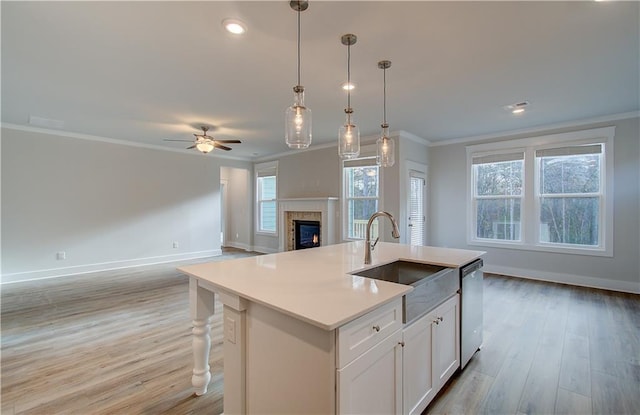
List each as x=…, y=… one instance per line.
x=234, y=26
x=517, y=108
x=348, y=86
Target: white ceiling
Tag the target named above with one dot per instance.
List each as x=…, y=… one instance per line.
x=145, y=71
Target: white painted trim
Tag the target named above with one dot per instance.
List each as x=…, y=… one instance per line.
x=412, y=137
x=80, y=136
x=529, y=208
x=264, y=250
x=292, y=152
x=537, y=130
x=562, y=278
x=364, y=140
x=238, y=245
x=104, y=266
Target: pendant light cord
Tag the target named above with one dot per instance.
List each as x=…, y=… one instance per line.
x=298, y=43
x=349, y=76
x=384, y=94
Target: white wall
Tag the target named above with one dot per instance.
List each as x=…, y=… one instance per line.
x=106, y=205
x=622, y=272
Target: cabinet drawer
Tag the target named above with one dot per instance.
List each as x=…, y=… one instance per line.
x=361, y=334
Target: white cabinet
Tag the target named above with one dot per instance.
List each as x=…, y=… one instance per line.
x=372, y=383
x=431, y=355
x=369, y=362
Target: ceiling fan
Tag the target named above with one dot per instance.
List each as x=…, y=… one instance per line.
x=205, y=143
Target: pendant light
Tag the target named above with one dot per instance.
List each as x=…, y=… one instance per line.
x=349, y=133
x=386, y=152
x=297, y=116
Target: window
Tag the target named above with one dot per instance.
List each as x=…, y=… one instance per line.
x=550, y=193
x=497, y=196
x=569, y=194
x=361, y=183
x=266, y=198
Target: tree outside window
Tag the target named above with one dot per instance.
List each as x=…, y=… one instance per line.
x=570, y=195
x=361, y=187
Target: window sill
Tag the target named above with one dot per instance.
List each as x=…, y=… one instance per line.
x=541, y=248
x=271, y=234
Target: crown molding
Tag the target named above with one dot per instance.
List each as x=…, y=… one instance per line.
x=538, y=129
x=80, y=136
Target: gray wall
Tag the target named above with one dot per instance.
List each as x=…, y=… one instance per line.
x=622, y=271
x=310, y=173
x=106, y=205
x=238, y=209
x=318, y=173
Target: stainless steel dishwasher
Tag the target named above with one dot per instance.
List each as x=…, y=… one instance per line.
x=471, y=280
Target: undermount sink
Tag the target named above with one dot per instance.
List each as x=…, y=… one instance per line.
x=432, y=284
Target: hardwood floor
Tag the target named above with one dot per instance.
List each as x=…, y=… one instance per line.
x=119, y=342
x=551, y=348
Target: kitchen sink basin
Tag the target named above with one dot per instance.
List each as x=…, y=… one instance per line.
x=432, y=284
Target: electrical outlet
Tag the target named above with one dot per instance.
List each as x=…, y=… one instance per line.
x=175, y=244
x=230, y=330
x=61, y=255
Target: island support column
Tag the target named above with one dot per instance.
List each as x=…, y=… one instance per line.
x=235, y=353
x=201, y=302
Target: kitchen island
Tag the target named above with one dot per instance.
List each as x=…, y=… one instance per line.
x=296, y=323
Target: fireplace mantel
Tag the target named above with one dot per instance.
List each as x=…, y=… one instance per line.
x=326, y=206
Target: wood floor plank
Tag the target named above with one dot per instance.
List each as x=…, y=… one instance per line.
x=575, y=370
x=570, y=403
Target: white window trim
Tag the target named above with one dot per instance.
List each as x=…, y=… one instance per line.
x=530, y=207
x=261, y=167
x=366, y=151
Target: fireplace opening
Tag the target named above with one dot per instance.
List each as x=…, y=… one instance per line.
x=307, y=233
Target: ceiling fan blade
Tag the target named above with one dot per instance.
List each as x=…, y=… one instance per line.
x=188, y=141
x=193, y=146
x=221, y=147
x=229, y=141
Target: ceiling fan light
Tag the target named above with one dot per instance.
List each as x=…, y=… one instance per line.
x=205, y=146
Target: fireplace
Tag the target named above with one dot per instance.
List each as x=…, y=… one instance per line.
x=307, y=234
x=321, y=210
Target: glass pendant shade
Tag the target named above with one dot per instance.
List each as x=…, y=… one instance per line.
x=205, y=146
x=385, y=147
x=386, y=151
x=298, y=122
x=349, y=140
x=349, y=133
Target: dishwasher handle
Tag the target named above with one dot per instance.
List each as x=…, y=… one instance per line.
x=474, y=266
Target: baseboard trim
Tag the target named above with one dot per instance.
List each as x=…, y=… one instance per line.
x=238, y=245
x=104, y=266
x=571, y=279
x=265, y=250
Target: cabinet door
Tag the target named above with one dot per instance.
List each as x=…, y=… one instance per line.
x=418, y=378
x=447, y=340
x=372, y=383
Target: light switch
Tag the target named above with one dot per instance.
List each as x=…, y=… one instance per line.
x=230, y=330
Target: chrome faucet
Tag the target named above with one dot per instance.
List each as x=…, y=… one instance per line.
x=368, y=246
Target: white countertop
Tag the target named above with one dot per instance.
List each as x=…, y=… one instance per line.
x=315, y=285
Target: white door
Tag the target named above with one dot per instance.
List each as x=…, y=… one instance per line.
x=447, y=342
x=418, y=380
x=417, y=219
